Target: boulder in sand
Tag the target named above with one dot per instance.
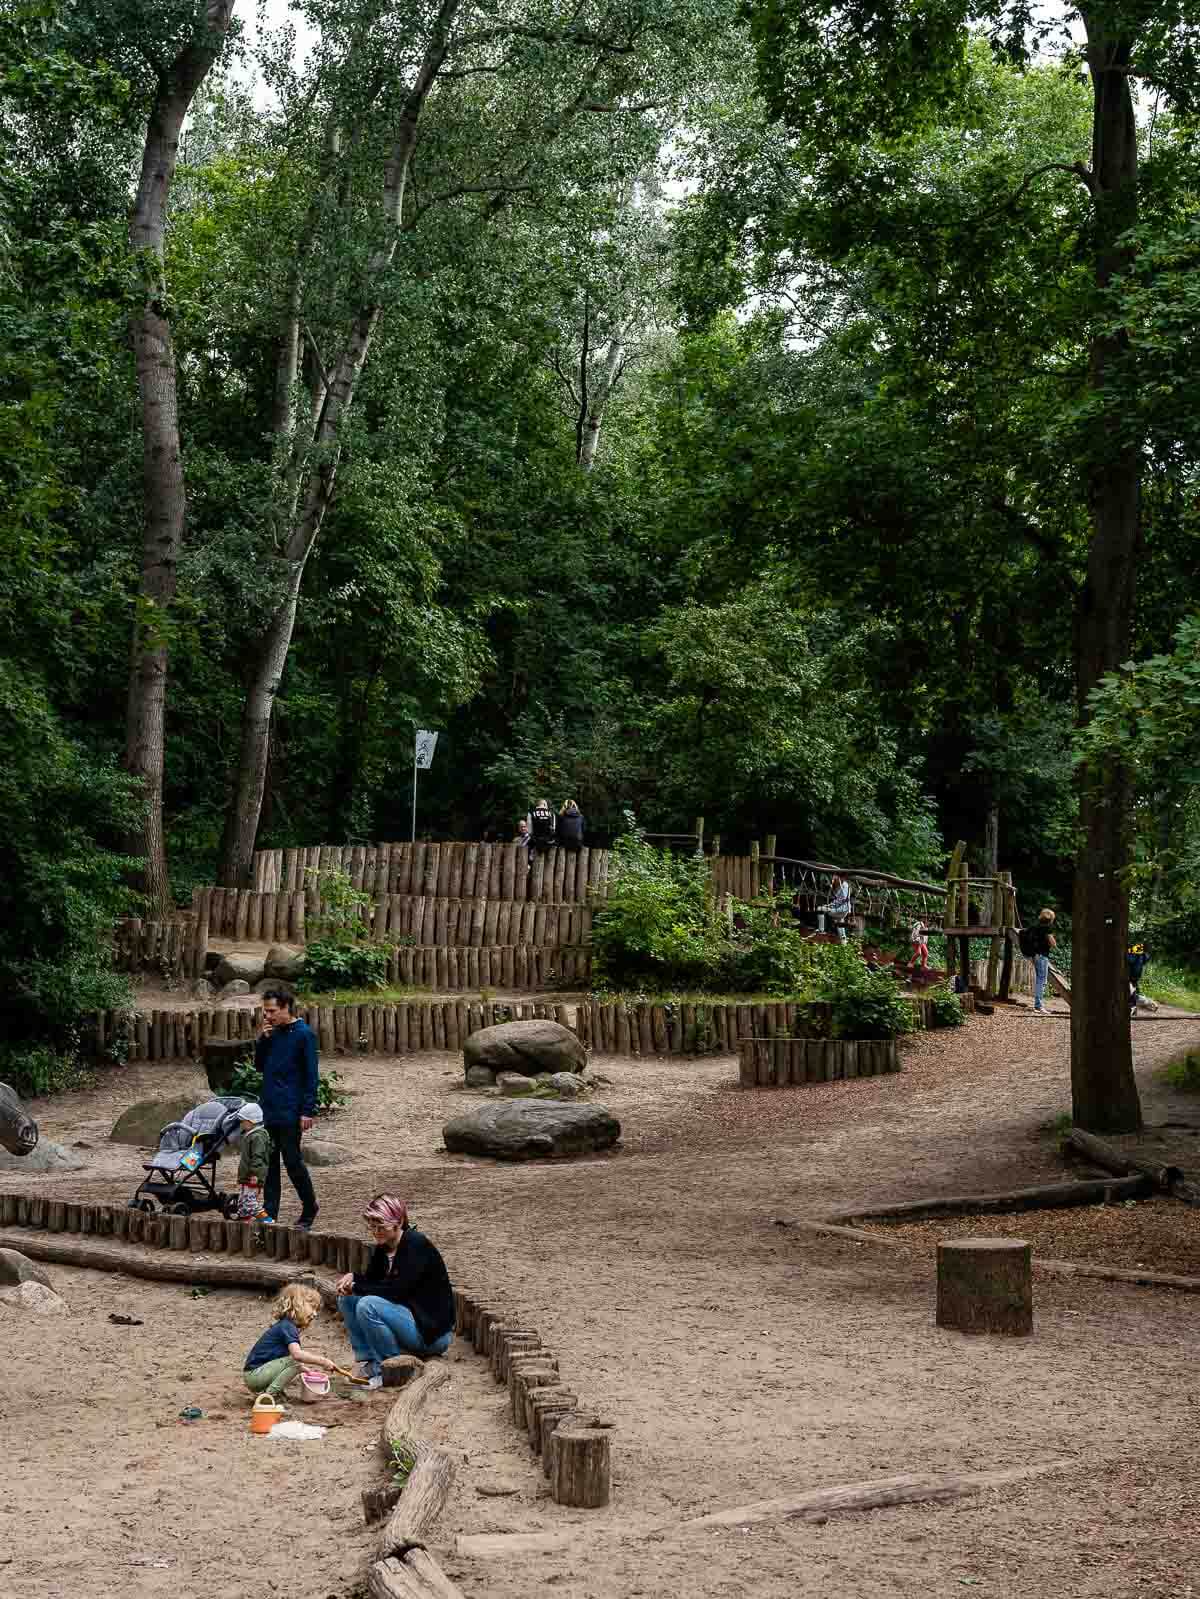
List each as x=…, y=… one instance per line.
x=514, y=1084
x=234, y=990
x=567, y=1085
x=531, y=1129
x=284, y=961
x=18, y=1268
x=239, y=966
x=31, y=1297
x=46, y=1157
x=320, y=1152
x=526, y=1047
x=141, y=1124
x=480, y=1077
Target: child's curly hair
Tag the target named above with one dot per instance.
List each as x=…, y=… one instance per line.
x=297, y=1304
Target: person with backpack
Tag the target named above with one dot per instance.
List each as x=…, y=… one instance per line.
x=542, y=826
x=1037, y=942
x=570, y=827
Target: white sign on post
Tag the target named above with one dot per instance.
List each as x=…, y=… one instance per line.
x=424, y=748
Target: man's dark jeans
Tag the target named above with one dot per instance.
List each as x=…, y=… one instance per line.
x=285, y=1141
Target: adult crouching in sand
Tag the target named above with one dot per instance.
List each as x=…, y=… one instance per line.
x=402, y=1303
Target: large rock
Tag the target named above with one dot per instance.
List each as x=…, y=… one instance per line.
x=235, y=989
x=514, y=1084
x=285, y=961
x=526, y=1047
x=320, y=1152
x=480, y=1077
x=46, y=1157
x=31, y=1297
x=531, y=1128
x=239, y=966
x=17, y=1268
x=567, y=1085
x=141, y=1123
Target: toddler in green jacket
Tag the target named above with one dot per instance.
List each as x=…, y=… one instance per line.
x=252, y=1168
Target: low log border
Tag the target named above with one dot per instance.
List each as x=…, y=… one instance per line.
x=777, y=1062
x=397, y=1029
x=247, y=1248
x=539, y=1401
x=447, y=869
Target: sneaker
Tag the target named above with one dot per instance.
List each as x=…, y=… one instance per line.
x=371, y=1374
x=306, y=1224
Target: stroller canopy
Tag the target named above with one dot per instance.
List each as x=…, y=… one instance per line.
x=214, y=1122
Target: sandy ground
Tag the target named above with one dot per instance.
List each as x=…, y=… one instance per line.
x=737, y=1359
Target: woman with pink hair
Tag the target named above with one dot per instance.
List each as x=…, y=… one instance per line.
x=403, y=1302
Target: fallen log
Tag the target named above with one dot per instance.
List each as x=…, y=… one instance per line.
x=166, y=1267
x=1168, y=1179
x=429, y=1473
x=911, y=1489
x=1046, y=1196
x=417, y=1576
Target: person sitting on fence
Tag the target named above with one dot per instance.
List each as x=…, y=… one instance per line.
x=570, y=827
x=403, y=1302
x=840, y=907
x=523, y=836
x=543, y=824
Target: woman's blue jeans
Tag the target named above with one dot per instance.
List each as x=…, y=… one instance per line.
x=378, y=1329
x=1041, y=971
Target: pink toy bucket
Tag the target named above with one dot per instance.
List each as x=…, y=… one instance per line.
x=314, y=1385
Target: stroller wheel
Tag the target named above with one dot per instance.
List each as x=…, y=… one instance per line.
x=145, y=1204
x=181, y=1210
x=230, y=1208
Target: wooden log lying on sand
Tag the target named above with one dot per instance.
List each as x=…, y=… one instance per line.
x=168, y=1267
x=1168, y=1179
x=1046, y=1196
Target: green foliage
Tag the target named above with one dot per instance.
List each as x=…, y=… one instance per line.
x=945, y=1009
x=1184, y=1074
x=657, y=922
x=331, y=963
x=247, y=1080
x=41, y=1070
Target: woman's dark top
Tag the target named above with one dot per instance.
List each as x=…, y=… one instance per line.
x=418, y=1279
x=570, y=827
x=1042, y=934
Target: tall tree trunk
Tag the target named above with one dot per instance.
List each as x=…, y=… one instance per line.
x=319, y=441
x=1104, y=1093
x=599, y=394
x=163, y=489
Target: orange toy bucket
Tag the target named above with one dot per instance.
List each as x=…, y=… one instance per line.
x=265, y=1414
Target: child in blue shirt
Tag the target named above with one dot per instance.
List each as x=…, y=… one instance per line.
x=277, y=1358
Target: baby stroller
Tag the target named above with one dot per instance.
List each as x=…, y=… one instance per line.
x=181, y=1177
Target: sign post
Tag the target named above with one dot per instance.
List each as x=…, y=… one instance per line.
x=423, y=747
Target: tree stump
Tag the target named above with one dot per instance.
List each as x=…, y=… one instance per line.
x=555, y=1398
x=985, y=1285
x=222, y=1057
x=509, y=1343
x=527, y=1377
x=399, y=1370
x=580, y=1472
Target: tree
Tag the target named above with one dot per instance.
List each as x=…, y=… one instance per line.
x=887, y=66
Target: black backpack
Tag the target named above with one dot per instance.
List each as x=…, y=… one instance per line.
x=1027, y=939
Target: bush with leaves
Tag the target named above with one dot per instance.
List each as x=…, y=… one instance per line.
x=247, y=1080
x=657, y=923
x=341, y=953
x=945, y=1008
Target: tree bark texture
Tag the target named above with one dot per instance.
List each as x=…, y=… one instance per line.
x=985, y=1285
x=163, y=489
x=1104, y=1094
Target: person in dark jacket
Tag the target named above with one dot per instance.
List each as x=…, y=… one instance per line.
x=286, y=1055
x=570, y=827
x=541, y=819
x=403, y=1302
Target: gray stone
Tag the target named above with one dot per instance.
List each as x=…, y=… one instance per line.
x=531, y=1128
x=526, y=1047
x=17, y=1268
x=46, y=1157
x=141, y=1124
x=279, y=984
x=285, y=961
x=32, y=1297
x=234, y=989
x=239, y=966
x=514, y=1084
x=202, y=989
x=320, y=1152
x=18, y=1130
x=480, y=1077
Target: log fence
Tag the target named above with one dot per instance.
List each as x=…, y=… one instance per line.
x=173, y=948
x=776, y=1062
x=453, y=870
x=519, y=966
x=283, y=917
x=392, y=1029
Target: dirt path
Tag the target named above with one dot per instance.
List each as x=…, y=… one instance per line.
x=739, y=1360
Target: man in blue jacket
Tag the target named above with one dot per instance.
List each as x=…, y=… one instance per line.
x=286, y=1055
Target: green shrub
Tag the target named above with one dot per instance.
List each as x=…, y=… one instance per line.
x=657, y=923
x=329, y=964
x=41, y=1070
x=946, y=1010
x=247, y=1081
x=1184, y=1074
